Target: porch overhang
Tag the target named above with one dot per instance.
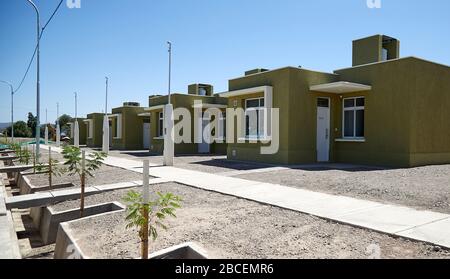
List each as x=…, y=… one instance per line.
x=207, y=106
x=145, y=114
x=247, y=91
x=114, y=115
x=160, y=107
x=340, y=87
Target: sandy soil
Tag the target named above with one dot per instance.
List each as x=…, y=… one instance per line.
x=229, y=227
x=205, y=163
x=422, y=188
x=105, y=175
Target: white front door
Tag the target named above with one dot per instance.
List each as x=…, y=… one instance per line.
x=204, y=147
x=146, y=135
x=323, y=129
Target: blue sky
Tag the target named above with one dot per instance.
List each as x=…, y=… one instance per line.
x=214, y=40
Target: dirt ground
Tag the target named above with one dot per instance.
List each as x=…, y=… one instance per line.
x=229, y=227
x=205, y=163
x=105, y=175
x=426, y=188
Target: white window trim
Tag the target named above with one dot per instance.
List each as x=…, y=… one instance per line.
x=351, y=140
x=354, y=109
x=118, y=134
x=265, y=136
x=90, y=129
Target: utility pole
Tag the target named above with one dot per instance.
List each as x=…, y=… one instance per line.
x=76, y=129
x=170, y=68
x=58, y=128
x=105, y=144
x=38, y=85
x=46, y=128
x=169, y=146
x=12, y=108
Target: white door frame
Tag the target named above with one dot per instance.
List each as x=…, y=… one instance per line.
x=204, y=147
x=146, y=135
x=323, y=155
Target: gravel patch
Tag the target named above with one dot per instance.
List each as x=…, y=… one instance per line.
x=229, y=227
x=204, y=163
x=425, y=188
x=105, y=175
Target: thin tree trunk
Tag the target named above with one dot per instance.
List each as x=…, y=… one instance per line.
x=144, y=240
x=83, y=182
x=50, y=168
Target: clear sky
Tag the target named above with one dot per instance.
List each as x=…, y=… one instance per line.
x=214, y=40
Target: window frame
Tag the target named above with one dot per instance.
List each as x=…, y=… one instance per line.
x=260, y=107
x=354, y=109
x=160, y=124
x=90, y=129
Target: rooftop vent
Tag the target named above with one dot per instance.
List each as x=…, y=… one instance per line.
x=131, y=104
x=201, y=89
x=255, y=71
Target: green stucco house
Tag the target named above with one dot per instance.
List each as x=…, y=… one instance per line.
x=130, y=127
x=384, y=110
x=81, y=129
x=203, y=93
x=94, y=130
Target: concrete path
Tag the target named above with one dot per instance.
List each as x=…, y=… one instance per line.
x=47, y=198
x=9, y=245
x=15, y=168
x=396, y=220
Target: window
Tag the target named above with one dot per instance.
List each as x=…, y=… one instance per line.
x=160, y=124
x=384, y=54
x=353, y=117
x=254, y=118
x=222, y=126
x=115, y=128
x=90, y=129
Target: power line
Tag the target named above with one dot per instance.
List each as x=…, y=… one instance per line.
x=35, y=49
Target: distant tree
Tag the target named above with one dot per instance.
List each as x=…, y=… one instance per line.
x=21, y=130
x=64, y=121
x=32, y=123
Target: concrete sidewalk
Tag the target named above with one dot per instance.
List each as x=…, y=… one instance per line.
x=428, y=226
x=9, y=246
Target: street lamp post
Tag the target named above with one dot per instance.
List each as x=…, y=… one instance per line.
x=12, y=108
x=46, y=128
x=169, y=44
x=105, y=145
x=38, y=93
x=76, y=129
x=58, y=128
x=169, y=147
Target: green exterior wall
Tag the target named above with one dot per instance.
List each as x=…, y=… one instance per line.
x=132, y=128
x=297, y=110
x=406, y=114
x=369, y=50
x=97, y=137
x=82, y=130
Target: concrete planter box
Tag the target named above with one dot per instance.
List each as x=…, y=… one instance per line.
x=48, y=220
x=67, y=247
x=26, y=188
x=185, y=251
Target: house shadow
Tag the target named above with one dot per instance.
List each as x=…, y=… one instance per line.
x=244, y=166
